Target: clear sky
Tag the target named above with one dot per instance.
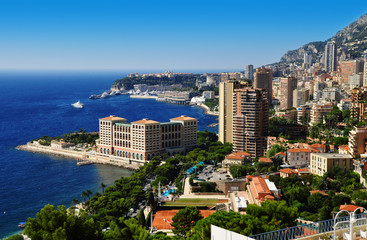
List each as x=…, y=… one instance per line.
x=163, y=35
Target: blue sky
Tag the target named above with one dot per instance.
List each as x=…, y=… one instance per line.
x=163, y=35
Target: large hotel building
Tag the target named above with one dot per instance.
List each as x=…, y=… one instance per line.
x=141, y=140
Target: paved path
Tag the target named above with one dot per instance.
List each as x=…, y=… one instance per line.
x=187, y=191
x=189, y=194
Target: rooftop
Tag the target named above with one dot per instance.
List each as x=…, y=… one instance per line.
x=344, y=147
x=298, y=150
x=318, y=145
x=146, y=121
x=349, y=207
x=333, y=155
x=113, y=118
x=265, y=159
x=183, y=118
x=260, y=185
x=318, y=191
x=281, y=153
x=288, y=171
x=238, y=155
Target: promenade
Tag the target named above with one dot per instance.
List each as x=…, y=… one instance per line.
x=81, y=156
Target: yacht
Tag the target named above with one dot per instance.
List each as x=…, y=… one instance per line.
x=78, y=104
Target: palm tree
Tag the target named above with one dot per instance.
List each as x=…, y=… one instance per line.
x=89, y=193
x=84, y=195
x=103, y=186
x=75, y=201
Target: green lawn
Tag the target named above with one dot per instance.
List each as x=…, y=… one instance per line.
x=192, y=202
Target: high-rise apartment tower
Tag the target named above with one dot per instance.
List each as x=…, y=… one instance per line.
x=264, y=79
x=243, y=117
x=330, y=57
x=249, y=72
x=287, y=86
x=226, y=91
x=250, y=121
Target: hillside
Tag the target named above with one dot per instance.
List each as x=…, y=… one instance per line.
x=351, y=40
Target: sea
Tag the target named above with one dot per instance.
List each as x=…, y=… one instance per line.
x=37, y=103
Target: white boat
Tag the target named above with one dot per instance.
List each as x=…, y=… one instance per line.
x=78, y=104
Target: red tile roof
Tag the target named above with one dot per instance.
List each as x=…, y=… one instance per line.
x=349, y=207
x=298, y=150
x=318, y=191
x=344, y=147
x=288, y=171
x=281, y=153
x=238, y=155
x=318, y=145
x=265, y=159
x=260, y=185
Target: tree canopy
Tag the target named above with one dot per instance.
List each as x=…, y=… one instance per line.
x=185, y=220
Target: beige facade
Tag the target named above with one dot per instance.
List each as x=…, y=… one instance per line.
x=319, y=111
x=357, y=140
x=141, y=140
x=226, y=90
x=299, y=157
x=324, y=162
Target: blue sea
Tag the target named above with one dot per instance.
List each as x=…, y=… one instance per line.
x=36, y=103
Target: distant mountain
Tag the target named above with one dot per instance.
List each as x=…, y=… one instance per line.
x=351, y=41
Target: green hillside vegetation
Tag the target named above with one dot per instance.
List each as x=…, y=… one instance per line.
x=77, y=137
x=185, y=80
x=341, y=188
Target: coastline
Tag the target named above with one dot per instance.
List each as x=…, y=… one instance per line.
x=143, y=96
x=207, y=109
x=81, y=157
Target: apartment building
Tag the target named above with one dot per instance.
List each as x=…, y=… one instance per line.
x=319, y=111
x=236, y=158
x=348, y=68
x=330, y=56
x=264, y=79
x=287, y=86
x=299, y=157
x=142, y=140
x=300, y=96
x=226, y=91
x=303, y=113
x=357, y=140
x=250, y=121
x=324, y=162
x=358, y=108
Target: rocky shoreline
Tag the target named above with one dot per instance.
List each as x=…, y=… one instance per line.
x=207, y=110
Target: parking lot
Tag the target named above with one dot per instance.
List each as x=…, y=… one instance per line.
x=210, y=175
